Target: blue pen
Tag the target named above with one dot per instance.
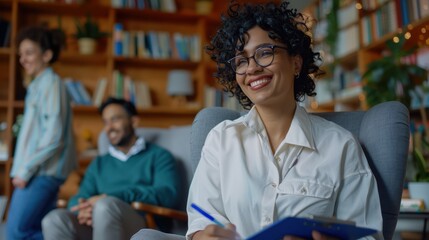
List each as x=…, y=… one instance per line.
x=205, y=214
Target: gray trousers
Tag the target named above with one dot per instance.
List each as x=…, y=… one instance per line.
x=112, y=219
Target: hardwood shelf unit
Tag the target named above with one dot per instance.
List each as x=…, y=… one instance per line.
x=88, y=69
x=367, y=51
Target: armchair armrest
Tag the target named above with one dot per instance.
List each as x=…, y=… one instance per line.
x=61, y=203
x=152, y=210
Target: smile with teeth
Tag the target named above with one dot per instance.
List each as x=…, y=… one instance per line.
x=258, y=82
x=112, y=134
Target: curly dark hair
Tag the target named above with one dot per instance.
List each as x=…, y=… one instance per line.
x=282, y=24
x=47, y=39
x=127, y=105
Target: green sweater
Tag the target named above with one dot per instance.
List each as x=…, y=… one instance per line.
x=151, y=176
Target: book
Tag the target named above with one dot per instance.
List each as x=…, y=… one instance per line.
x=168, y=6
x=412, y=205
x=143, y=96
x=85, y=98
x=117, y=38
x=71, y=89
x=424, y=8
x=100, y=90
x=303, y=227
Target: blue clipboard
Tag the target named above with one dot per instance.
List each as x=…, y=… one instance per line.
x=302, y=227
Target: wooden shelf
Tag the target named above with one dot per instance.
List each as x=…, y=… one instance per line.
x=76, y=58
x=370, y=29
x=156, y=16
x=5, y=162
x=415, y=113
x=352, y=101
x=167, y=110
x=57, y=8
x=156, y=63
x=159, y=110
x=84, y=161
x=85, y=109
x=4, y=53
x=19, y=104
x=89, y=69
x=348, y=61
x=370, y=11
x=415, y=29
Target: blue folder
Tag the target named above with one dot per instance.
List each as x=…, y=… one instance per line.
x=302, y=227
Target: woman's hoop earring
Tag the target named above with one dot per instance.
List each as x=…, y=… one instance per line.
x=296, y=75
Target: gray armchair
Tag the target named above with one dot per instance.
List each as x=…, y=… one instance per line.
x=383, y=132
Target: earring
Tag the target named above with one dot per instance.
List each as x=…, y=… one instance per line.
x=296, y=75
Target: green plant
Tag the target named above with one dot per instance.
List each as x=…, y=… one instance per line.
x=421, y=166
x=333, y=29
x=17, y=125
x=388, y=78
x=88, y=29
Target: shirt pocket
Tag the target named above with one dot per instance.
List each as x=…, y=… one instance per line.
x=305, y=197
x=305, y=188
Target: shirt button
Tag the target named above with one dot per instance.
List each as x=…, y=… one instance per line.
x=273, y=185
x=267, y=219
x=277, y=159
x=303, y=190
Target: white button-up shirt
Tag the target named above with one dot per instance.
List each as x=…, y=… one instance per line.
x=318, y=169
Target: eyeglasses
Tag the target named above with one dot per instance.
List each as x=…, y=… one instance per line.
x=263, y=56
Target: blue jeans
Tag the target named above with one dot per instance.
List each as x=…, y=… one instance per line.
x=28, y=206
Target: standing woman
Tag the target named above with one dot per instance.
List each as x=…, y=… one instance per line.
x=45, y=152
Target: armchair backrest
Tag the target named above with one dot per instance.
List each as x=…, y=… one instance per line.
x=383, y=132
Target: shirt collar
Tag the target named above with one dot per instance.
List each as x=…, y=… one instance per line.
x=138, y=146
x=300, y=131
x=36, y=80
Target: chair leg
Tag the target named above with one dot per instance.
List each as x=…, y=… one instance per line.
x=150, y=221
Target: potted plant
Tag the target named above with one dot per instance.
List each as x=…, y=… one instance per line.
x=389, y=78
x=204, y=6
x=87, y=34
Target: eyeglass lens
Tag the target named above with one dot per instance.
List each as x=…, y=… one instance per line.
x=263, y=57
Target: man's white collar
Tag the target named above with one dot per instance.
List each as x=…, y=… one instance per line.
x=139, y=145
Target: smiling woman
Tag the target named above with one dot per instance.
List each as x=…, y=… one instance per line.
x=45, y=152
x=300, y=164
x=39, y=48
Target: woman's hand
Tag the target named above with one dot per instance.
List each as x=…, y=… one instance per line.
x=217, y=232
x=19, y=183
x=316, y=236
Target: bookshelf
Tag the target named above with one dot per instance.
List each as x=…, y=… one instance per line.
x=341, y=83
x=104, y=62
x=373, y=23
x=88, y=69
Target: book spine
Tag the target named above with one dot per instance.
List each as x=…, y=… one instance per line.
x=73, y=92
x=117, y=39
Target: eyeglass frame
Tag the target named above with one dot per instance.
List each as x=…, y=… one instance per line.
x=271, y=46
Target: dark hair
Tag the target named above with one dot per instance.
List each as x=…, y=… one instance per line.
x=127, y=105
x=281, y=23
x=47, y=39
